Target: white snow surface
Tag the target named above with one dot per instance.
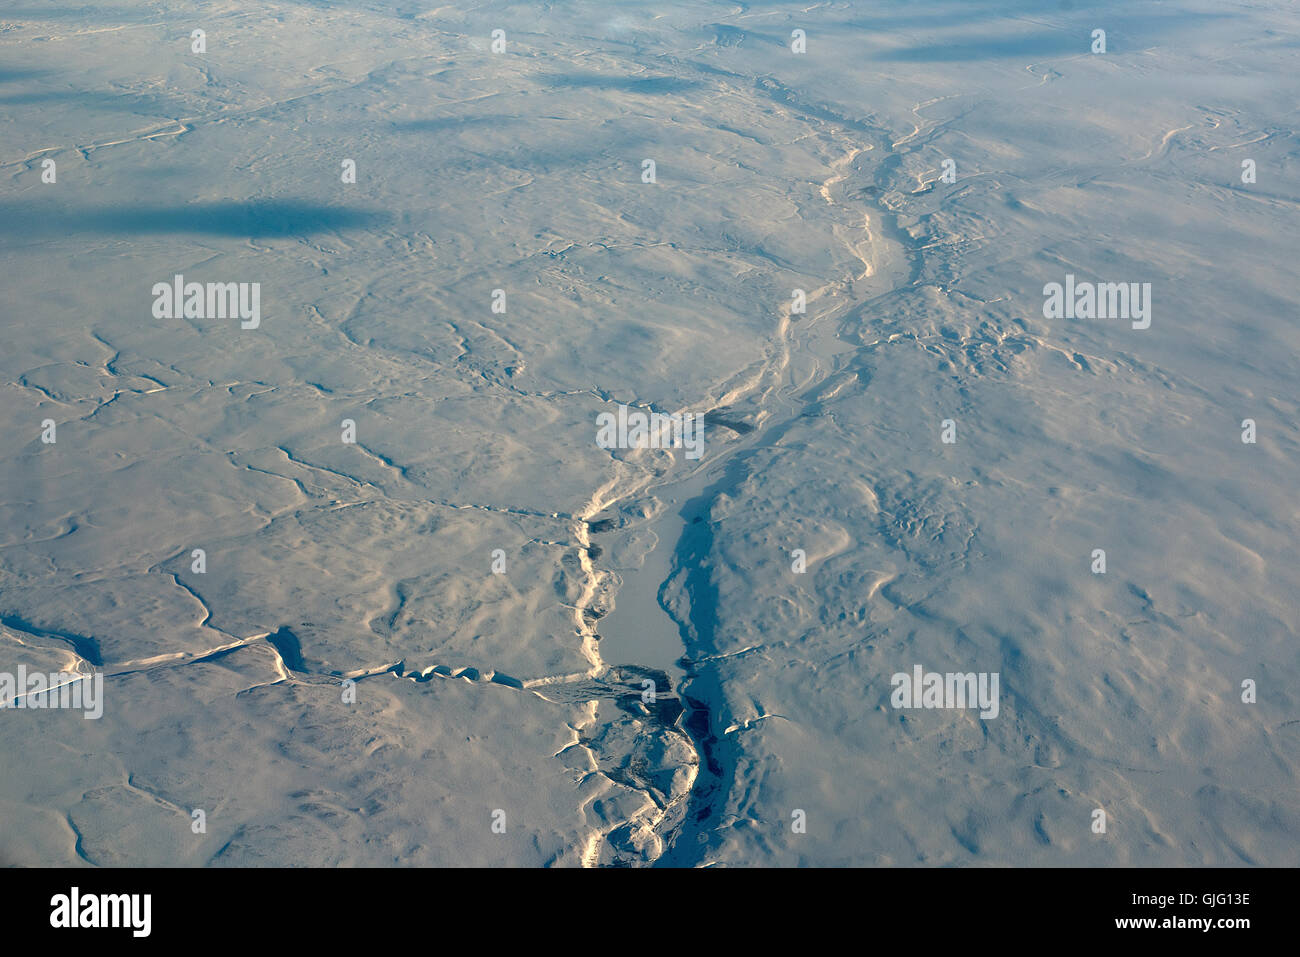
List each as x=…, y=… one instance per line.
x=515, y=699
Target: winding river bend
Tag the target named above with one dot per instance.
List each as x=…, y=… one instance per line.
x=798, y=379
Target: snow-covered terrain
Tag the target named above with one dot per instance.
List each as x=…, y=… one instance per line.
x=363, y=586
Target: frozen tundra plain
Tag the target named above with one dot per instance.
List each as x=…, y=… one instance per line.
x=515, y=699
